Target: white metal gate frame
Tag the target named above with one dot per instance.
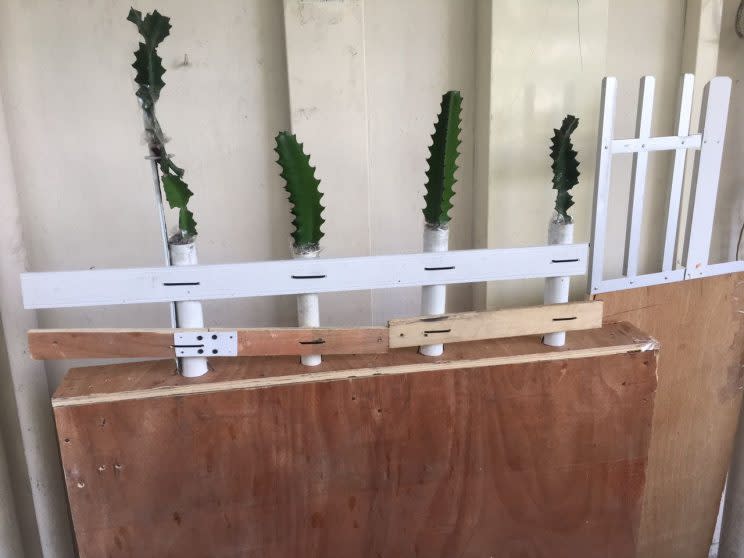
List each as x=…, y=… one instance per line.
x=706, y=174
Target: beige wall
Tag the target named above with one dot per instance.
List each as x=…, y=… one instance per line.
x=544, y=66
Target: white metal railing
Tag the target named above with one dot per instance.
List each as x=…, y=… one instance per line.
x=709, y=147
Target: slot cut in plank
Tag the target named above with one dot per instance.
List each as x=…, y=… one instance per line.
x=473, y=326
x=51, y=344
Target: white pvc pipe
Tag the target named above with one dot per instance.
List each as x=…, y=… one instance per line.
x=188, y=313
x=434, y=297
x=557, y=288
x=308, y=310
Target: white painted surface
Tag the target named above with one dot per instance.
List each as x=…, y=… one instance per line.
x=189, y=313
x=638, y=177
x=674, y=200
x=602, y=181
x=663, y=143
x=703, y=198
x=707, y=172
x=556, y=288
x=308, y=310
x=434, y=297
x=290, y=277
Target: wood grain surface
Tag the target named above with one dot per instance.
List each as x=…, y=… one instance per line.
x=510, y=322
x=529, y=459
x=49, y=344
x=699, y=325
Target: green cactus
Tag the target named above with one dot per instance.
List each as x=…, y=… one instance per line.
x=304, y=195
x=442, y=161
x=565, y=166
x=154, y=28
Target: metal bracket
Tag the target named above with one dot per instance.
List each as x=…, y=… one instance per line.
x=205, y=343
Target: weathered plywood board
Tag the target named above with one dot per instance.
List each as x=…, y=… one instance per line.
x=539, y=458
x=699, y=326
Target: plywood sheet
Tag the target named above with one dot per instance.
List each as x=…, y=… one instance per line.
x=699, y=326
x=539, y=458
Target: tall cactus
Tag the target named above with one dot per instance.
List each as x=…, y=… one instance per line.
x=304, y=194
x=154, y=28
x=442, y=161
x=565, y=166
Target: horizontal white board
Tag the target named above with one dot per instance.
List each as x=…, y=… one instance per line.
x=102, y=287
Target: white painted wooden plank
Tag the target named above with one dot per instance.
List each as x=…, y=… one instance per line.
x=602, y=181
x=707, y=172
x=678, y=171
x=623, y=283
x=288, y=277
x=638, y=178
x=661, y=143
x=715, y=269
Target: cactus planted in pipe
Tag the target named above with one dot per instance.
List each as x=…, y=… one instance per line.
x=442, y=161
x=304, y=197
x=440, y=180
x=565, y=166
x=181, y=247
x=560, y=229
x=154, y=28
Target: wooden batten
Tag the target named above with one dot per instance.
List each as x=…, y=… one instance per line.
x=50, y=344
x=513, y=322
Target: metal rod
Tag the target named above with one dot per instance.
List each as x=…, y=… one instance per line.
x=159, y=208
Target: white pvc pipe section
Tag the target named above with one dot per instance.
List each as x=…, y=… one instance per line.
x=731, y=544
x=188, y=313
x=31, y=443
x=434, y=297
x=557, y=288
x=308, y=310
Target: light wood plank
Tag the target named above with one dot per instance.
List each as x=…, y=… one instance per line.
x=51, y=344
x=472, y=326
